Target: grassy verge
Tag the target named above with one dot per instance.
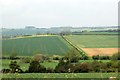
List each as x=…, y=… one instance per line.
x=60, y=75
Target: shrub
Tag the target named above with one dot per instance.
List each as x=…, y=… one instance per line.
x=95, y=57
x=26, y=60
x=84, y=57
x=49, y=70
x=62, y=66
x=116, y=56
x=72, y=56
x=104, y=58
x=5, y=70
x=35, y=67
x=83, y=68
x=15, y=68
x=38, y=57
x=56, y=57
x=96, y=66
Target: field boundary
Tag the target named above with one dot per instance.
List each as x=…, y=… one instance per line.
x=77, y=48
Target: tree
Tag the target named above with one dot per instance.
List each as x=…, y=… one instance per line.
x=35, y=67
x=38, y=57
x=95, y=57
x=62, y=66
x=72, y=56
x=15, y=67
x=116, y=56
x=83, y=67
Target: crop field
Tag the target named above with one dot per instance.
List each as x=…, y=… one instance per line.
x=47, y=45
x=95, y=44
x=94, y=41
x=101, y=51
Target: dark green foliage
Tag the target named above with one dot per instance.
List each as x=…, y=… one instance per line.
x=96, y=66
x=72, y=56
x=26, y=60
x=49, y=70
x=15, y=68
x=84, y=57
x=62, y=66
x=83, y=68
x=116, y=56
x=97, y=57
x=35, y=67
x=5, y=70
x=104, y=58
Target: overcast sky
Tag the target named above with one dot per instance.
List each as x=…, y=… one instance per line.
x=55, y=13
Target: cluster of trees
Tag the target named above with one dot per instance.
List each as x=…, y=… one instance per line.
x=70, y=63
x=14, y=68
x=65, y=66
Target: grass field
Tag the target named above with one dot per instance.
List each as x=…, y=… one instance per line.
x=61, y=75
x=94, y=41
x=47, y=45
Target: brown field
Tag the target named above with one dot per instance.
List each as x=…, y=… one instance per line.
x=101, y=51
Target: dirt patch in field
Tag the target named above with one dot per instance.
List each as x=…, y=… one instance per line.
x=101, y=51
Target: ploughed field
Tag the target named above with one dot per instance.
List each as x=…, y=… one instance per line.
x=47, y=45
x=95, y=44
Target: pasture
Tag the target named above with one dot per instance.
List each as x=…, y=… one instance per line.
x=47, y=45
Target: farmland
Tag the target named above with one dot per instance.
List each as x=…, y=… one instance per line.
x=95, y=44
x=56, y=45
x=48, y=45
x=94, y=41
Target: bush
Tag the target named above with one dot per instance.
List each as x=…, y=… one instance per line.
x=116, y=56
x=84, y=57
x=38, y=57
x=5, y=70
x=104, y=58
x=56, y=57
x=15, y=68
x=95, y=57
x=83, y=68
x=49, y=70
x=96, y=66
x=72, y=56
x=62, y=66
x=26, y=60
x=35, y=67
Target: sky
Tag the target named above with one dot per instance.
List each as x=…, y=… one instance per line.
x=57, y=13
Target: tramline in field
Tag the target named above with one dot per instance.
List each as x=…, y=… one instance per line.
x=47, y=45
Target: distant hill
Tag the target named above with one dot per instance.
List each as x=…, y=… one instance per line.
x=30, y=30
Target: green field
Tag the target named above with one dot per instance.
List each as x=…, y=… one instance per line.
x=93, y=41
x=52, y=64
x=61, y=75
x=47, y=45
x=24, y=66
x=97, y=33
